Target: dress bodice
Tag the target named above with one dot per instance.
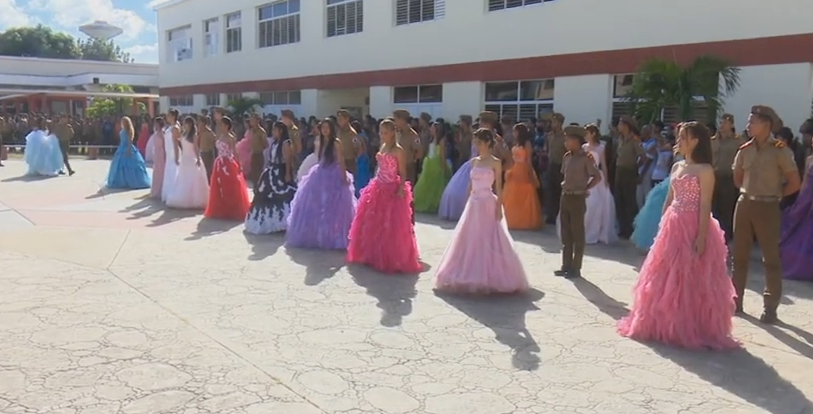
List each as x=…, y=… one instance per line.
x=387, y=168
x=519, y=154
x=596, y=151
x=187, y=149
x=223, y=148
x=686, y=189
x=482, y=179
x=123, y=138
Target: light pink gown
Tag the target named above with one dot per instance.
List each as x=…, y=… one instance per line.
x=158, y=165
x=480, y=258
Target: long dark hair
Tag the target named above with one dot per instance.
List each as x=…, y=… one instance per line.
x=328, y=142
x=523, y=135
x=159, y=122
x=174, y=114
x=701, y=154
x=284, y=136
x=191, y=129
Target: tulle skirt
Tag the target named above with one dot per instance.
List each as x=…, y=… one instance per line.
x=228, y=193
x=128, y=169
x=454, y=197
x=649, y=217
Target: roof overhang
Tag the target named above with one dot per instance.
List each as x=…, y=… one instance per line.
x=158, y=5
x=8, y=94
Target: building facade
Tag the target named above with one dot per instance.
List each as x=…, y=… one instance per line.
x=452, y=57
x=64, y=86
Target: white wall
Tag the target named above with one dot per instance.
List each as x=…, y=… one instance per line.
x=584, y=99
x=462, y=98
x=458, y=38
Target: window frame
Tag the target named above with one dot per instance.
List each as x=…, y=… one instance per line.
x=238, y=29
x=288, y=17
x=507, y=7
x=172, y=43
x=181, y=101
x=336, y=5
x=438, y=12
x=212, y=102
x=517, y=107
x=275, y=98
x=211, y=34
x=419, y=99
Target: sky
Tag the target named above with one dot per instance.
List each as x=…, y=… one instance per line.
x=135, y=17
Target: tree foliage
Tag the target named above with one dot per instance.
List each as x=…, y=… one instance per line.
x=43, y=42
x=100, y=107
x=243, y=106
x=660, y=84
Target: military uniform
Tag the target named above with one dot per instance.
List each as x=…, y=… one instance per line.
x=757, y=214
x=555, y=143
x=578, y=171
x=64, y=132
x=289, y=119
x=207, y=150
x=349, y=141
x=724, y=147
x=464, y=141
x=259, y=142
x=410, y=141
x=628, y=153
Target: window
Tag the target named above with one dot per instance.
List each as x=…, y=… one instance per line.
x=234, y=33
x=185, y=100
x=416, y=11
x=213, y=99
x=281, y=98
x=494, y=5
x=344, y=17
x=231, y=97
x=520, y=100
x=211, y=30
x=622, y=86
x=417, y=94
x=278, y=23
x=179, y=44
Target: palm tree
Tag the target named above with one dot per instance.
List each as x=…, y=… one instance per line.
x=660, y=84
x=242, y=106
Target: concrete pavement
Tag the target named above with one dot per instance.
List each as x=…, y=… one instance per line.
x=111, y=304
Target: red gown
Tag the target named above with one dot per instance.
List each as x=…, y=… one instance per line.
x=143, y=137
x=384, y=215
x=228, y=193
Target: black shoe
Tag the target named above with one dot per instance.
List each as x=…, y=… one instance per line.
x=71, y=172
x=62, y=173
x=573, y=274
x=768, y=317
x=561, y=272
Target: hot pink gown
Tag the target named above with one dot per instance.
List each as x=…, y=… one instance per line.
x=158, y=165
x=480, y=258
x=143, y=137
x=683, y=298
x=383, y=215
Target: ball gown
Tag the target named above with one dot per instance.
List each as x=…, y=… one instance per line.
x=454, y=197
x=191, y=187
x=128, y=168
x=42, y=154
x=432, y=181
x=228, y=193
x=520, y=199
x=649, y=217
x=273, y=195
x=796, y=241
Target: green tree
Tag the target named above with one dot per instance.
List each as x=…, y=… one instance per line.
x=39, y=41
x=100, y=107
x=660, y=84
x=243, y=106
x=102, y=50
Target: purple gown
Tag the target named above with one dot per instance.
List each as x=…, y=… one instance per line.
x=796, y=242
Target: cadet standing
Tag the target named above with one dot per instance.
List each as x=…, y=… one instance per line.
x=409, y=140
x=207, y=144
x=760, y=167
x=555, y=147
x=629, y=155
x=349, y=140
x=463, y=141
x=259, y=142
x=64, y=133
x=579, y=175
x=288, y=119
x=724, y=146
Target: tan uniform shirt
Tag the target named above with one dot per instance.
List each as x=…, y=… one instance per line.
x=64, y=132
x=724, y=149
x=464, y=145
x=409, y=141
x=628, y=152
x=259, y=141
x=207, y=140
x=296, y=138
x=556, y=146
x=578, y=168
x=348, y=139
x=764, y=167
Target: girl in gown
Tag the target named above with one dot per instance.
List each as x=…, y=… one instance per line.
x=599, y=220
x=275, y=189
x=243, y=149
x=363, y=172
x=520, y=200
x=454, y=197
x=191, y=187
x=159, y=158
x=171, y=142
x=384, y=214
x=796, y=242
x=435, y=173
x=228, y=194
x=649, y=217
x=684, y=296
x=480, y=258
x=39, y=152
x=143, y=137
x=149, y=151
x=323, y=207
x=309, y=161
x=128, y=169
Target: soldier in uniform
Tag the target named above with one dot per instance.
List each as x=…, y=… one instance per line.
x=760, y=167
x=64, y=132
x=724, y=146
x=463, y=141
x=288, y=119
x=259, y=142
x=349, y=140
x=207, y=144
x=629, y=157
x=579, y=175
x=409, y=140
x=555, y=148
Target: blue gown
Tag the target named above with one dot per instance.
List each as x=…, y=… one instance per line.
x=42, y=154
x=648, y=219
x=128, y=171
x=363, y=173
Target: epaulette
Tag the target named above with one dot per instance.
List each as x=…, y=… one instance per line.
x=746, y=144
x=779, y=144
x=567, y=154
x=713, y=137
x=498, y=137
x=590, y=155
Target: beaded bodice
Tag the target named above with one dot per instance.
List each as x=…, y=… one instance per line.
x=223, y=148
x=686, y=190
x=387, y=168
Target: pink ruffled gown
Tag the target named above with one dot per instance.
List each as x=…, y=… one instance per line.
x=243, y=149
x=683, y=298
x=480, y=258
x=384, y=215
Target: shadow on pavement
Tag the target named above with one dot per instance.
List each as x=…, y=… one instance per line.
x=210, y=227
x=264, y=246
x=319, y=264
x=394, y=292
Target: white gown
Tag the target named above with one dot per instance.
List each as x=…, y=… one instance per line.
x=191, y=187
x=149, y=149
x=170, y=169
x=309, y=161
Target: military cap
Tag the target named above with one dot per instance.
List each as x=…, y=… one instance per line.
x=558, y=117
x=768, y=112
x=629, y=121
x=425, y=116
x=344, y=113
x=727, y=117
x=574, y=131
x=466, y=119
x=488, y=117
x=287, y=113
x=401, y=114
x=546, y=116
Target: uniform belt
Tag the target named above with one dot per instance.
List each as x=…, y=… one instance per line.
x=761, y=199
x=573, y=192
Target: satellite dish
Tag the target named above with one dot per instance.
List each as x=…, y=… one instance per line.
x=100, y=30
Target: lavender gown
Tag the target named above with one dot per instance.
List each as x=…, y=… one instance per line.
x=796, y=242
x=456, y=193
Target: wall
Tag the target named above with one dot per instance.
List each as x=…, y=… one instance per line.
x=455, y=39
x=584, y=99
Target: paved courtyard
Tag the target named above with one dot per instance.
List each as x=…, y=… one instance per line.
x=110, y=304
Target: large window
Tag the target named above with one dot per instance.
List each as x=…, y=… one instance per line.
x=417, y=94
x=344, y=17
x=417, y=11
x=213, y=99
x=278, y=23
x=179, y=44
x=231, y=97
x=494, y=5
x=521, y=100
x=234, y=33
x=185, y=100
x=281, y=98
x=211, y=30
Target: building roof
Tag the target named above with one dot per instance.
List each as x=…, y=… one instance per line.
x=163, y=4
x=6, y=94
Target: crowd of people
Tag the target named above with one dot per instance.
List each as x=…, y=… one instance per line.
x=684, y=193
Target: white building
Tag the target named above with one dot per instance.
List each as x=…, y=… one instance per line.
x=64, y=86
x=452, y=57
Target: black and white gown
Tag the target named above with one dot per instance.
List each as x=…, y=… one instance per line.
x=272, y=197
